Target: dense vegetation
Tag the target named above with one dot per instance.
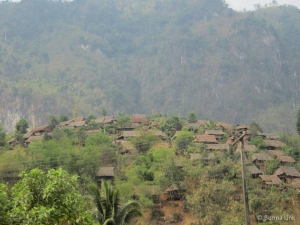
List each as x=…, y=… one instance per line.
x=157, y=174
x=143, y=56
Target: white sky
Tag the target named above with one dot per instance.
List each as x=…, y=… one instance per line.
x=239, y=5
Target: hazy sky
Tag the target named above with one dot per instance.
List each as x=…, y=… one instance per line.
x=249, y=4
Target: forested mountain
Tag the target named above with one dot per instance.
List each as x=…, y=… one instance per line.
x=167, y=56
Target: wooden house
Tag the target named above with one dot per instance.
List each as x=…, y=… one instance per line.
x=275, y=153
x=129, y=134
x=178, y=163
x=269, y=180
x=126, y=147
x=40, y=131
x=67, y=123
x=254, y=171
x=240, y=128
x=230, y=140
x=105, y=173
x=249, y=149
x=219, y=134
x=128, y=127
x=201, y=122
x=176, y=192
x=225, y=126
x=14, y=142
x=206, y=139
x=259, y=159
x=287, y=173
x=274, y=144
x=286, y=159
x=295, y=183
x=139, y=118
x=216, y=147
x=77, y=124
x=106, y=120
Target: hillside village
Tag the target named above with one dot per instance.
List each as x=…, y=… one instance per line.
x=198, y=144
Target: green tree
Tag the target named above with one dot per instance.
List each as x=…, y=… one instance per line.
x=298, y=122
x=52, y=121
x=2, y=136
x=255, y=128
x=90, y=118
x=123, y=120
x=104, y=112
x=21, y=126
x=144, y=142
x=183, y=139
x=44, y=198
x=192, y=117
x=63, y=118
x=271, y=166
x=107, y=201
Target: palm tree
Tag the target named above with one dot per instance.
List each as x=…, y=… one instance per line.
x=108, y=206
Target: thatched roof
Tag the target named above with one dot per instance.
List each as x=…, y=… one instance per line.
x=253, y=170
x=75, y=124
x=105, y=119
x=42, y=128
x=286, y=159
x=261, y=157
x=225, y=126
x=295, y=183
x=274, y=143
x=192, y=125
x=201, y=122
x=250, y=148
x=214, y=132
x=270, y=179
x=129, y=126
x=217, y=147
x=242, y=127
x=178, y=163
x=276, y=153
x=205, y=138
x=105, y=172
x=78, y=119
x=127, y=146
x=130, y=133
x=139, y=120
x=288, y=171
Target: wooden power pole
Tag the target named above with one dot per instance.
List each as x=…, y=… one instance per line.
x=245, y=190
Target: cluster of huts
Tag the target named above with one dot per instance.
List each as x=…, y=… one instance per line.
x=216, y=142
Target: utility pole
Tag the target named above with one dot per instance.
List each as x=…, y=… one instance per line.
x=245, y=190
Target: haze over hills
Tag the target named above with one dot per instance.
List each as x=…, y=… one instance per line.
x=149, y=56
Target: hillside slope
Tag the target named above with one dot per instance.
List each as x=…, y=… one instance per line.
x=139, y=57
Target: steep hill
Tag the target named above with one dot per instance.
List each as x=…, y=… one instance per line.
x=144, y=56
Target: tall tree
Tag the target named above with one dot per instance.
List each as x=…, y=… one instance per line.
x=2, y=135
x=21, y=126
x=192, y=117
x=107, y=201
x=298, y=122
x=44, y=198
